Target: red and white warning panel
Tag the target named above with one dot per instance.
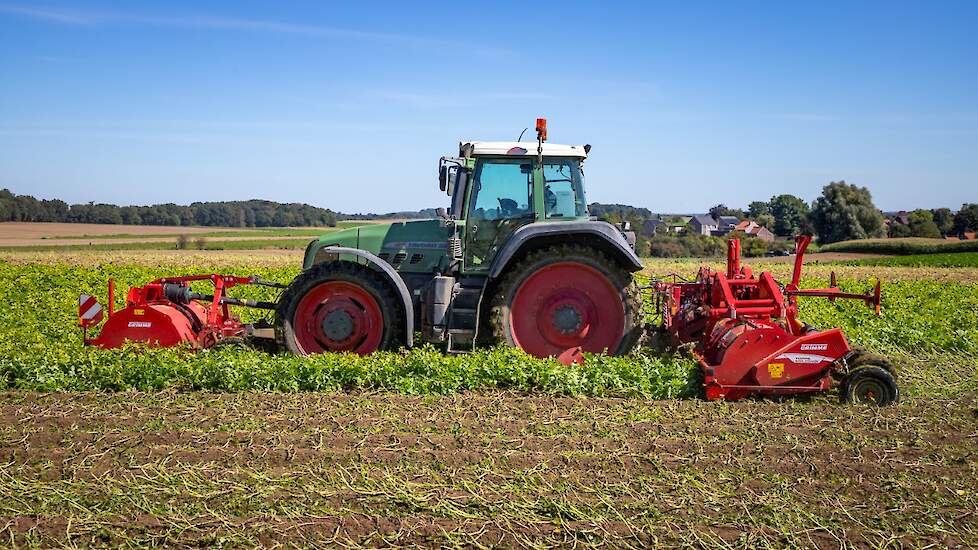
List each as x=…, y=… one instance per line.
x=89, y=311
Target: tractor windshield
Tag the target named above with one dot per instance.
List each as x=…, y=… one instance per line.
x=564, y=188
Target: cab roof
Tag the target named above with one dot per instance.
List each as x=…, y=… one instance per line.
x=523, y=149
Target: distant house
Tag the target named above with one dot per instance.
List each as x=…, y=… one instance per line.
x=896, y=218
x=703, y=224
x=750, y=227
x=762, y=233
x=727, y=223
x=745, y=225
x=650, y=227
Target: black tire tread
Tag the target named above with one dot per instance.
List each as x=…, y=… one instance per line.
x=367, y=278
x=862, y=357
x=620, y=278
x=875, y=372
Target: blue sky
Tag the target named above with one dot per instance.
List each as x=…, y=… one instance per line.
x=349, y=105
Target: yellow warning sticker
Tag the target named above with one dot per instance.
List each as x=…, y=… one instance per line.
x=138, y=312
x=776, y=370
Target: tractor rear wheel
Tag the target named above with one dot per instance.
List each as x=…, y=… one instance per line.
x=338, y=306
x=562, y=300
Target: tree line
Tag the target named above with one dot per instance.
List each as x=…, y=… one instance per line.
x=846, y=212
x=842, y=212
x=252, y=213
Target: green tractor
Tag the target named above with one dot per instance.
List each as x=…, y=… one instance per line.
x=516, y=259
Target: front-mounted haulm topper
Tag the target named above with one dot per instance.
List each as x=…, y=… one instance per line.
x=516, y=259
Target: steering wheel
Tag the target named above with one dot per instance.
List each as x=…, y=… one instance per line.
x=507, y=207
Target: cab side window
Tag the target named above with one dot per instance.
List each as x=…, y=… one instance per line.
x=563, y=189
x=502, y=189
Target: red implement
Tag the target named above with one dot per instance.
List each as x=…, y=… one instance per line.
x=746, y=332
x=166, y=312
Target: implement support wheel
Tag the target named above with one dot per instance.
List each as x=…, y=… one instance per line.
x=871, y=385
x=338, y=306
x=562, y=300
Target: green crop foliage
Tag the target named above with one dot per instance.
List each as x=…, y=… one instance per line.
x=41, y=349
x=928, y=324
x=917, y=317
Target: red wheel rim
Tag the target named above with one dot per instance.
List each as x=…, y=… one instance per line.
x=338, y=316
x=567, y=306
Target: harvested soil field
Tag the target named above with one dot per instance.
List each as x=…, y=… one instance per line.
x=198, y=469
x=105, y=242
x=58, y=238
x=28, y=233
x=178, y=259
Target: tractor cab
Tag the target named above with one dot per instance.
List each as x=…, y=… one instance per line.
x=498, y=180
x=496, y=187
x=516, y=245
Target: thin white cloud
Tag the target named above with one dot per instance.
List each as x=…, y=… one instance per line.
x=230, y=23
x=68, y=17
x=424, y=100
x=190, y=21
x=810, y=117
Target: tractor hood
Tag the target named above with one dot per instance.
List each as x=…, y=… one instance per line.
x=420, y=245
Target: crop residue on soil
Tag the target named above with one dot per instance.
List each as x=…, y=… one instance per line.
x=369, y=469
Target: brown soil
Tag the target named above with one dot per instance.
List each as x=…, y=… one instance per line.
x=54, y=234
x=127, y=240
x=14, y=233
x=263, y=469
x=175, y=258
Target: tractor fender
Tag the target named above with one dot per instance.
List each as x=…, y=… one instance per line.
x=602, y=235
x=384, y=268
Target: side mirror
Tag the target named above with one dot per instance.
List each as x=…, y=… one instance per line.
x=456, y=179
x=452, y=180
x=441, y=213
x=451, y=174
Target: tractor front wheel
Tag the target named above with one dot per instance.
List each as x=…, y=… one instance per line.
x=562, y=300
x=338, y=306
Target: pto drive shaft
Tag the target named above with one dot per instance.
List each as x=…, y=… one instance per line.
x=182, y=294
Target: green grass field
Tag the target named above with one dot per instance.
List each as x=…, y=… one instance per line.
x=904, y=246
x=234, y=447
x=954, y=259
